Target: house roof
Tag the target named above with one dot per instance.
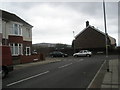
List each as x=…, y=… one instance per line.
x=12, y=17
x=89, y=26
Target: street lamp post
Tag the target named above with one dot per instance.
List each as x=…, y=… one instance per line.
x=73, y=42
x=106, y=37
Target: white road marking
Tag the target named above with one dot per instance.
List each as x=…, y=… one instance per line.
x=26, y=79
x=65, y=65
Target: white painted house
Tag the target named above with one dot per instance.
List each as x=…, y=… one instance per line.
x=16, y=33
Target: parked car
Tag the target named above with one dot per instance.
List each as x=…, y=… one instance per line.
x=58, y=54
x=34, y=52
x=83, y=53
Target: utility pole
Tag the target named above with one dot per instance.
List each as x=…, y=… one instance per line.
x=106, y=37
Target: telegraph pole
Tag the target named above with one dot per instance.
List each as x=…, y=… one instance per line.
x=106, y=37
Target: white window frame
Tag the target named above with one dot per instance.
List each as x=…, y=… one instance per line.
x=28, y=32
x=18, y=47
x=28, y=53
x=19, y=29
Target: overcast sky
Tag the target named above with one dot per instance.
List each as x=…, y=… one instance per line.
x=54, y=22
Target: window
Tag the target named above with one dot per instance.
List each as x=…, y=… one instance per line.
x=28, y=32
x=20, y=49
x=16, y=49
x=17, y=29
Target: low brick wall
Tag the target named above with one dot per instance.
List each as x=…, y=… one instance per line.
x=32, y=58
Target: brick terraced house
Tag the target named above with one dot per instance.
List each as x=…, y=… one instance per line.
x=92, y=39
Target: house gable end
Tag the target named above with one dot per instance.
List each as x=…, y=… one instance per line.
x=90, y=38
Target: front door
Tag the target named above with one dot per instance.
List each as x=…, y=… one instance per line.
x=28, y=51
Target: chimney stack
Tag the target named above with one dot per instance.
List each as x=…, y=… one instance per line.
x=87, y=23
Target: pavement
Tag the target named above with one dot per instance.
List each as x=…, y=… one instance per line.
x=107, y=79
x=46, y=61
x=111, y=79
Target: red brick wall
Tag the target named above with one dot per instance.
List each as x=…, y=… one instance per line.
x=31, y=58
x=90, y=38
x=15, y=39
x=27, y=44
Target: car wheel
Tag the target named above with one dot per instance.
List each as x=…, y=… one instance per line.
x=75, y=56
x=88, y=55
x=52, y=56
x=4, y=73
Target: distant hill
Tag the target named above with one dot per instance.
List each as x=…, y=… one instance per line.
x=45, y=44
x=46, y=48
x=54, y=45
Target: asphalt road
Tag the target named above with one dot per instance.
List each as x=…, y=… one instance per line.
x=70, y=72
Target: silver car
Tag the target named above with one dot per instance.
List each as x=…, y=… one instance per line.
x=83, y=53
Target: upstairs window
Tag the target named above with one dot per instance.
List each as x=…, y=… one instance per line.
x=28, y=32
x=17, y=29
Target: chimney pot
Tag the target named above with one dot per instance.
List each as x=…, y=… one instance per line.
x=87, y=23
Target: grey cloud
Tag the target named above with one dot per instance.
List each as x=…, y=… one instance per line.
x=90, y=8
x=24, y=5
x=50, y=24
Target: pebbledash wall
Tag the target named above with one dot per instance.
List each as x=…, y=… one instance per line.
x=17, y=33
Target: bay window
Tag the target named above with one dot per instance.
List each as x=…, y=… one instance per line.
x=16, y=49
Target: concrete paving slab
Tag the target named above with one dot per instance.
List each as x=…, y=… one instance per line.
x=111, y=78
x=107, y=79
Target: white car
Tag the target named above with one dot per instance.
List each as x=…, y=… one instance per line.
x=83, y=53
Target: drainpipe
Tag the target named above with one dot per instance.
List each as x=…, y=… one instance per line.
x=5, y=34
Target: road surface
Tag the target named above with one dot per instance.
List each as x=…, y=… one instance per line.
x=70, y=72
